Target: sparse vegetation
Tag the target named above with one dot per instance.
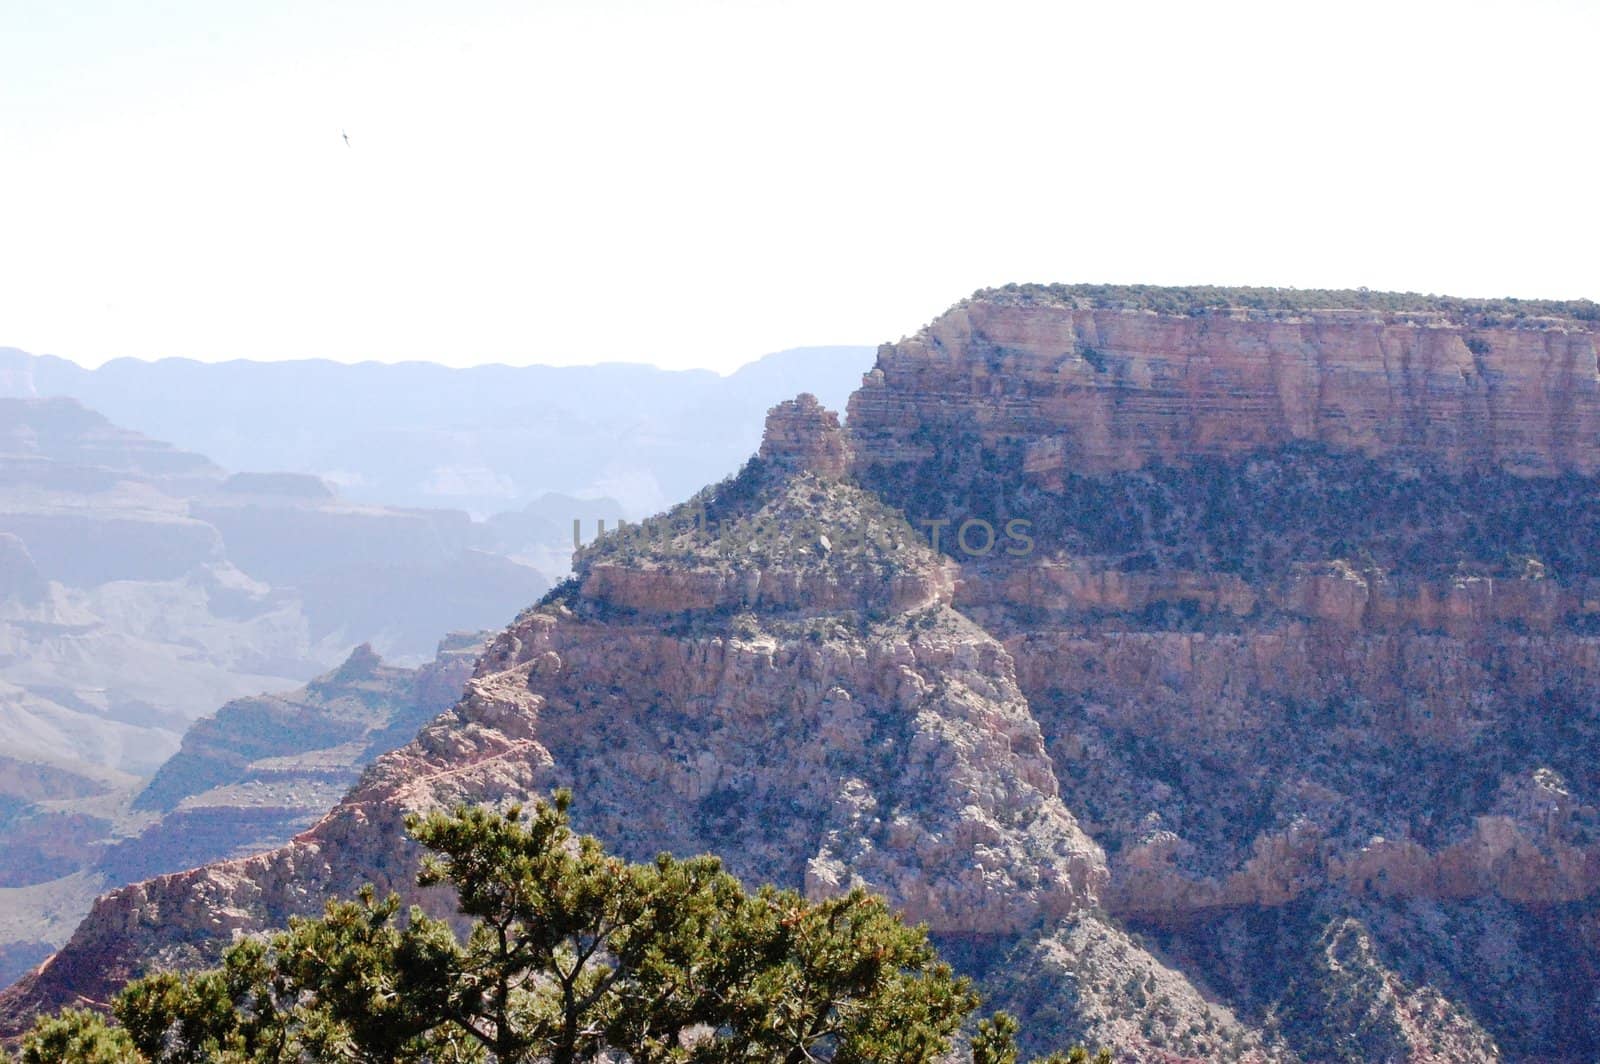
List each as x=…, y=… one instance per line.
x=1200, y=300
x=1258, y=515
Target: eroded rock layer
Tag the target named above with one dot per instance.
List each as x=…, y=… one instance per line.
x=1094, y=384
x=1293, y=670
x=817, y=747
x=1308, y=624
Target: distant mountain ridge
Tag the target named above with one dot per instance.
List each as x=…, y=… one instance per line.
x=485, y=439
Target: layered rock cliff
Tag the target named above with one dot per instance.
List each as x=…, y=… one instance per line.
x=1291, y=668
x=861, y=733
x=1307, y=624
x=1092, y=383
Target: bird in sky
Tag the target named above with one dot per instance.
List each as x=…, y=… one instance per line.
x=346, y=137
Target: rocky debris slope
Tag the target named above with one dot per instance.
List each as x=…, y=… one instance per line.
x=1364, y=1008
x=1086, y=981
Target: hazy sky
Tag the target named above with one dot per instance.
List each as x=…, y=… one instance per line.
x=697, y=183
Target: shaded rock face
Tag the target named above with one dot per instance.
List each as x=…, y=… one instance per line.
x=1354, y=999
x=1309, y=623
x=1088, y=982
x=288, y=485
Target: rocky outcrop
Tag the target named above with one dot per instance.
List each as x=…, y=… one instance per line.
x=802, y=437
x=69, y=434
x=1092, y=388
x=1296, y=678
x=809, y=549
x=1087, y=982
x=1308, y=622
x=246, y=780
x=821, y=750
x=302, y=743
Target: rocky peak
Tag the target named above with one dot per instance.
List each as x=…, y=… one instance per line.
x=804, y=436
x=362, y=664
x=796, y=544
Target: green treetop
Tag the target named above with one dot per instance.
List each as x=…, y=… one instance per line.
x=572, y=955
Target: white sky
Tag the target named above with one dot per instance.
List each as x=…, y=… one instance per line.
x=696, y=183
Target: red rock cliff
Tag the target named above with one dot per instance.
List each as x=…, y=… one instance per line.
x=1096, y=388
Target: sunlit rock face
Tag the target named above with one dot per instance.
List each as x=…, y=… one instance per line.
x=1091, y=387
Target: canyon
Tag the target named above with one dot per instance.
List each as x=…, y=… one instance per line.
x=247, y=778
x=1280, y=744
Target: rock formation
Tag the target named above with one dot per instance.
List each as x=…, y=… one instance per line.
x=1277, y=742
x=139, y=588
x=1308, y=623
x=1093, y=385
x=875, y=738
x=246, y=779
x=803, y=437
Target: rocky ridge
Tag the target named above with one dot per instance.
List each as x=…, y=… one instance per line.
x=1308, y=623
x=811, y=743
x=1302, y=643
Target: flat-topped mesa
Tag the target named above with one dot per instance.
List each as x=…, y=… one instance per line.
x=803, y=436
x=1089, y=380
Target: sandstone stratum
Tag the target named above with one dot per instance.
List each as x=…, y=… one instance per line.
x=1280, y=743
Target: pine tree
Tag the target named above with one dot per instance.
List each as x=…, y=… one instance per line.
x=573, y=955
